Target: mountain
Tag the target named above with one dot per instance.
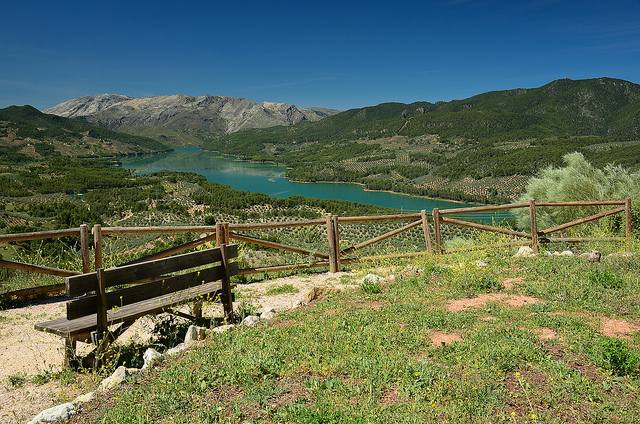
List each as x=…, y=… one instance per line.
x=481, y=148
x=182, y=118
x=26, y=134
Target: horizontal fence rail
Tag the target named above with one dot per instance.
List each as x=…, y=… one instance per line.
x=331, y=255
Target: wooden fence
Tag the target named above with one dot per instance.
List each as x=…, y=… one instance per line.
x=335, y=255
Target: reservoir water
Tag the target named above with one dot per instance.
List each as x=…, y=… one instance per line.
x=270, y=179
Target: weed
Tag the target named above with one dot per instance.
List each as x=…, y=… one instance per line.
x=617, y=357
x=371, y=286
x=283, y=289
x=17, y=380
x=606, y=278
x=243, y=310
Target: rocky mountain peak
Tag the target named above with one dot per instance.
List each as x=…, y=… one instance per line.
x=216, y=114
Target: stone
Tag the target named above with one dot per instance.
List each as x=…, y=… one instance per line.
x=57, y=413
x=86, y=398
x=176, y=349
x=409, y=272
x=481, y=264
x=115, y=379
x=250, y=321
x=372, y=278
x=594, y=257
x=267, y=313
x=319, y=292
x=222, y=329
x=151, y=358
x=524, y=252
x=195, y=333
x=566, y=253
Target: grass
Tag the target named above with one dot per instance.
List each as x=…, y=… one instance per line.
x=368, y=355
x=282, y=289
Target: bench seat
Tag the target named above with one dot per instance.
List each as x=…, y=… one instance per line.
x=82, y=326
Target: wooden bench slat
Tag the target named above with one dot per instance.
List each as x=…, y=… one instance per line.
x=80, y=284
x=86, y=305
x=70, y=328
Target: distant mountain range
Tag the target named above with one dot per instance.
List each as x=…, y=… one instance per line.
x=182, y=117
x=482, y=148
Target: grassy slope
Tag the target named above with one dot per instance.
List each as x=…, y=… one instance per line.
x=366, y=355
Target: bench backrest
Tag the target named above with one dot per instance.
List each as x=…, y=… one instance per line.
x=150, y=279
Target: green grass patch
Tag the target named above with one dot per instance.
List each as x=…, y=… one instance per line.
x=282, y=289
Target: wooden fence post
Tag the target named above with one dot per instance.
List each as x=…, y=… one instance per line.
x=222, y=233
x=534, y=225
x=425, y=229
x=436, y=230
x=332, y=245
x=627, y=212
x=84, y=247
x=336, y=235
x=97, y=245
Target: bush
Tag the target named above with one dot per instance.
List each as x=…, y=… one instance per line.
x=616, y=356
x=579, y=180
x=607, y=279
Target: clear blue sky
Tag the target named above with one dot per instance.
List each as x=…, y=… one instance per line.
x=337, y=54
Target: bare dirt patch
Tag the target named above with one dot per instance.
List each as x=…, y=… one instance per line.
x=514, y=300
x=617, y=328
x=441, y=339
x=545, y=333
x=509, y=283
x=25, y=353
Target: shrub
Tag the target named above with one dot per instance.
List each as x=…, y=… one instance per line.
x=617, y=357
x=607, y=279
x=578, y=180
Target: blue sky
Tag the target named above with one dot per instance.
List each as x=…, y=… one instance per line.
x=336, y=54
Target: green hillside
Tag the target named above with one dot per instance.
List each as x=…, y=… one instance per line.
x=472, y=149
x=27, y=134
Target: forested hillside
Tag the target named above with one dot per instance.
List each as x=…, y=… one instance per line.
x=27, y=134
x=481, y=149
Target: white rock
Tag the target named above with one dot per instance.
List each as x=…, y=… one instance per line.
x=372, y=278
x=86, y=398
x=267, y=313
x=250, y=321
x=57, y=413
x=115, y=379
x=566, y=253
x=222, y=328
x=195, y=333
x=176, y=349
x=481, y=264
x=151, y=358
x=524, y=252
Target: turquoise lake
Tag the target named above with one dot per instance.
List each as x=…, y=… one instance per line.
x=270, y=179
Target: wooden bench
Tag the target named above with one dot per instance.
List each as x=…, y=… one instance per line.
x=138, y=290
